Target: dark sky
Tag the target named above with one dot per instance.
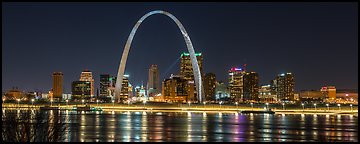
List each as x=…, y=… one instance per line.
x=317, y=42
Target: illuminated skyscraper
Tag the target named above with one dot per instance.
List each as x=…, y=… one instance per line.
x=284, y=85
x=57, y=86
x=153, y=85
x=86, y=75
x=186, y=69
x=251, y=86
x=124, y=95
x=104, y=84
x=209, y=86
x=236, y=84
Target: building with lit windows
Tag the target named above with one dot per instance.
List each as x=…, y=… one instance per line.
x=236, y=84
x=177, y=89
x=251, y=87
x=284, y=87
x=153, y=85
x=265, y=95
x=209, y=86
x=124, y=95
x=329, y=92
x=57, y=86
x=104, y=85
x=81, y=90
x=86, y=75
x=186, y=69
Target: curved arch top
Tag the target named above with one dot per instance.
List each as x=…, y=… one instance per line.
x=194, y=62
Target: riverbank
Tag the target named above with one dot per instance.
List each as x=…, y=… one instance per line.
x=193, y=109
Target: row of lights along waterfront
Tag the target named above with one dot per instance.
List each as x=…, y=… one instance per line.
x=220, y=103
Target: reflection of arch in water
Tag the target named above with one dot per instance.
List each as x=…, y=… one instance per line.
x=194, y=62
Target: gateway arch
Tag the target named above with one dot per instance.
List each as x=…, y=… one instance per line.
x=194, y=62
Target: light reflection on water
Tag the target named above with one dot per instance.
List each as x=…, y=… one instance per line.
x=194, y=127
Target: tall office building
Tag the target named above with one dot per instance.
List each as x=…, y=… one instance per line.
x=251, y=86
x=186, y=69
x=81, y=90
x=57, y=86
x=86, y=75
x=153, y=85
x=104, y=84
x=236, y=84
x=284, y=85
x=209, y=86
x=124, y=95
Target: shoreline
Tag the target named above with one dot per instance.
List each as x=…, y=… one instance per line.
x=112, y=109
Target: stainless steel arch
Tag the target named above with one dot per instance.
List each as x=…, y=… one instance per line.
x=196, y=70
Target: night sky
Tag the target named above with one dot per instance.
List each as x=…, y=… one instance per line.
x=317, y=42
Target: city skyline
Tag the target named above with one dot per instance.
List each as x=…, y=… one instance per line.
x=96, y=47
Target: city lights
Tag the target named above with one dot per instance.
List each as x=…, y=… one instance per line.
x=303, y=106
x=327, y=105
x=151, y=104
x=32, y=102
x=18, y=100
x=237, y=108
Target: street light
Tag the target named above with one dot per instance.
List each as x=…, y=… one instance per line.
x=51, y=102
x=339, y=107
x=237, y=108
x=189, y=103
x=303, y=106
x=315, y=106
x=32, y=102
x=97, y=103
x=113, y=101
x=283, y=104
x=204, y=104
x=82, y=102
x=67, y=101
x=220, y=104
x=327, y=105
x=351, y=107
x=4, y=100
x=18, y=102
x=252, y=106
